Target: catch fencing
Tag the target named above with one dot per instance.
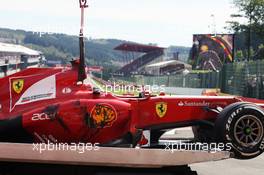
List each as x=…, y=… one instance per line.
x=240, y=78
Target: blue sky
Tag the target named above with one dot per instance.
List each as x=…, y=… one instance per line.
x=165, y=22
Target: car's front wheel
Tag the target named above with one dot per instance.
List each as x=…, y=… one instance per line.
x=241, y=125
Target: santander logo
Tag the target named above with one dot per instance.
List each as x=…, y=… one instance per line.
x=198, y=104
x=181, y=104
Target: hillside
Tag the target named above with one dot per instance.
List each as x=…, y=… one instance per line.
x=65, y=47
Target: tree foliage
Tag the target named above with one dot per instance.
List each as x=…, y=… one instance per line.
x=252, y=12
x=248, y=24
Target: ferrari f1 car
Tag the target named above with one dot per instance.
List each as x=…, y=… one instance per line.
x=52, y=104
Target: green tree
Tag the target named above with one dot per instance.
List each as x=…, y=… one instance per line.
x=252, y=12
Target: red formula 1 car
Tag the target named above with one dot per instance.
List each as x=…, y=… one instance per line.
x=50, y=104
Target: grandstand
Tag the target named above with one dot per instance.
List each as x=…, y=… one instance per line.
x=14, y=58
x=167, y=67
x=148, y=55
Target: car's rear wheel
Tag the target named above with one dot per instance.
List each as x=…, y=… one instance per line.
x=241, y=125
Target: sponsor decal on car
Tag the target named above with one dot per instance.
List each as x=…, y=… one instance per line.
x=17, y=85
x=193, y=104
x=35, y=97
x=43, y=89
x=66, y=90
x=103, y=115
x=41, y=117
x=145, y=140
x=161, y=109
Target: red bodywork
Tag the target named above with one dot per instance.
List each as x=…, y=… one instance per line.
x=54, y=107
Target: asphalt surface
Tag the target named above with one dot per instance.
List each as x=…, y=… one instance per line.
x=225, y=167
x=231, y=167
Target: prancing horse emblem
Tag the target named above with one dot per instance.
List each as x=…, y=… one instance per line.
x=161, y=109
x=18, y=85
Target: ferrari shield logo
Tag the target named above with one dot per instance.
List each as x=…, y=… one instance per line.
x=161, y=109
x=18, y=85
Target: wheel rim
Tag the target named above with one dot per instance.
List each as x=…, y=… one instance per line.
x=248, y=131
